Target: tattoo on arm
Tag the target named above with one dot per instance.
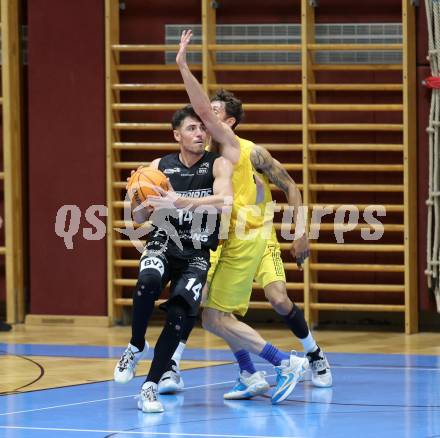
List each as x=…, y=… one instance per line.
x=263, y=161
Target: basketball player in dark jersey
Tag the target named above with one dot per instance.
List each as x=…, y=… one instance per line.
x=185, y=229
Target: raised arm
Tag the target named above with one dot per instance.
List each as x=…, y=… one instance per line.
x=219, y=130
x=263, y=161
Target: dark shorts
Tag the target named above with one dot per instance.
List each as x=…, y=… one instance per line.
x=186, y=274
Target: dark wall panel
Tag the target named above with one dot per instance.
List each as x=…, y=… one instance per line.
x=66, y=152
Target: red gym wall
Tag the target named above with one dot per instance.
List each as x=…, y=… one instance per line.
x=66, y=159
x=67, y=132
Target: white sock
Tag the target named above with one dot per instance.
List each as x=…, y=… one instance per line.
x=178, y=353
x=309, y=343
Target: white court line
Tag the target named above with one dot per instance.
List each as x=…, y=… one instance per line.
x=55, y=429
x=390, y=368
x=368, y=367
x=203, y=386
x=104, y=399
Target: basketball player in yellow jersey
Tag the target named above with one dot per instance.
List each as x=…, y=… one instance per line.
x=231, y=283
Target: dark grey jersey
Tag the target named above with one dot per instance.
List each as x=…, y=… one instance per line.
x=197, y=228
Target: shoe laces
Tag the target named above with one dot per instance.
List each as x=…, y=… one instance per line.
x=317, y=361
x=149, y=394
x=126, y=359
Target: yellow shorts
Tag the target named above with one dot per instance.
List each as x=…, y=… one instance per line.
x=271, y=267
x=232, y=272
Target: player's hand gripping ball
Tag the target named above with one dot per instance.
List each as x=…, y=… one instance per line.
x=144, y=183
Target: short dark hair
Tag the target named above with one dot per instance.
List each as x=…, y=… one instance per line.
x=180, y=115
x=233, y=106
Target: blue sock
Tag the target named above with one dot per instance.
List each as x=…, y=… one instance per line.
x=244, y=361
x=273, y=355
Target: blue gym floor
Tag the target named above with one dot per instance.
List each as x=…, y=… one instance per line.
x=373, y=396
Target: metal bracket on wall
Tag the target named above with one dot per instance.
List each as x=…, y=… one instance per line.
x=415, y=3
x=314, y=3
x=122, y=5
x=215, y=4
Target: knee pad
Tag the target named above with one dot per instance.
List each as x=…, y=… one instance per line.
x=149, y=284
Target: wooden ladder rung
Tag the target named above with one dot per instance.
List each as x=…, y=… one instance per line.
x=359, y=307
x=353, y=247
x=254, y=47
x=355, y=107
x=322, y=226
x=272, y=106
x=133, y=281
x=176, y=106
x=2, y=250
x=397, y=228
x=142, y=126
x=343, y=227
x=122, y=243
x=153, y=47
x=356, y=47
x=129, y=302
x=147, y=106
x=356, y=267
x=357, y=167
x=357, y=67
x=256, y=67
x=154, y=67
x=2, y=176
x=147, y=146
x=133, y=263
x=346, y=287
x=124, y=282
x=123, y=224
x=346, y=247
x=174, y=146
x=355, y=87
x=241, y=127
x=119, y=184
x=355, y=127
x=359, y=147
x=120, y=204
x=282, y=146
x=291, y=166
x=131, y=165
x=126, y=263
x=362, y=207
x=149, y=87
x=257, y=87
x=269, y=127
x=357, y=187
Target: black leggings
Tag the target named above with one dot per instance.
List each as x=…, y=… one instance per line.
x=177, y=315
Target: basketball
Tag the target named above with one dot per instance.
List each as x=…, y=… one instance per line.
x=144, y=182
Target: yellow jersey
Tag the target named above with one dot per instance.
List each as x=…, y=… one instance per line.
x=244, y=207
